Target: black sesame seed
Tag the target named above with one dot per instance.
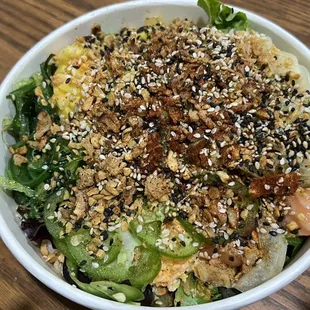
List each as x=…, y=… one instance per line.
x=168, y=219
x=273, y=233
x=107, y=50
x=264, y=66
x=68, y=80
x=105, y=235
x=83, y=262
x=183, y=215
x=78, y=224
x=142, y=29
x=216, y=239
x=183, y=243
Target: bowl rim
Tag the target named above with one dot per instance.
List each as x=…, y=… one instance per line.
x=63, y=288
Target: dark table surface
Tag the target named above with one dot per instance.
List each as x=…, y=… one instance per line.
x=25, y=22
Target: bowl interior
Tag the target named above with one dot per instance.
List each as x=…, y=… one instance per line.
x=112, y=19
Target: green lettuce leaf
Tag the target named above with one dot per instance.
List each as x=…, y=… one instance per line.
x=14, y=186
x=192, y=292
x=294, y=245
x=223, y=17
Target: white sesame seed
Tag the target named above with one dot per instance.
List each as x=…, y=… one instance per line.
x=267, y=187
x=263, y=230
x=181, y=237
x=142, y=107
x=127, y=95
x=288, y=170
x=250, y=207
x=195, y=244
x=197, y=135
x=95, y=265
x=139, y=229
x=47, y=187
x=274, y=225
x=305, y=144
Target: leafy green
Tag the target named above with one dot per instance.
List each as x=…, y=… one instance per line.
x=192, y=292
x=14, y=186
x=7, y=124
x=223, y=17
x=294, y=245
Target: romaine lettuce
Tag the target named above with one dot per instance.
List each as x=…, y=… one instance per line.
x=223, y=17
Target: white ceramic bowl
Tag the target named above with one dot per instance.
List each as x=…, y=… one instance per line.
x=112, y=18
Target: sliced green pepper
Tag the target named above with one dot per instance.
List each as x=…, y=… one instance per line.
x=118, y=292
x=189, y=228
x=150, y=234
x=106, y=289
x=73, y=270
x=117, y=270
x=50, y=207
x=146, y=268
x=146, y=232
x=78, y=242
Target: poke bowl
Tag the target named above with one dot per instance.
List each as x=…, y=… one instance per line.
x=156, y=154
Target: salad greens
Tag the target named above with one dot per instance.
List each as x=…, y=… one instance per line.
x=14, y=186
x=223, y=17
x=294, y=245
x=191, y=293
x=28, y=179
